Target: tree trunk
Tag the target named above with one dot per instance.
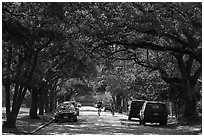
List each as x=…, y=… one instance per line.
x=11, y=121
x=190, y=102
x=114, y=100
x=125, y=104
x=7, y=90
x=34, y=104
x=46, y=98
x=11, y=114
x=188, y=84
x=41, y=102
x=55, y=100
x=11, y=117
x=51, y=100
x=7, y=83
x=118, y=101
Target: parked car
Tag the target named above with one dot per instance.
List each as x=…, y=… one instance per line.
x=75, y=106
x=154, y=112
x=135, y=108
x=65, y=112
x=107, y=107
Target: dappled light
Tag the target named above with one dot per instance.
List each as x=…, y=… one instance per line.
x=110, y=53
x=106, y=124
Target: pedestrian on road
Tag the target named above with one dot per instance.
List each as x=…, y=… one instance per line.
x=99, y=106
x=112, y=108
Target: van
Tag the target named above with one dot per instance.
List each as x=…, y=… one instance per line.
x=135, y=108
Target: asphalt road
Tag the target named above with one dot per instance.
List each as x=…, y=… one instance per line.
x=90, y=123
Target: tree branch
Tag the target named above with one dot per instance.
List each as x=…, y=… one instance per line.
x=174, y=38
x=152, y=46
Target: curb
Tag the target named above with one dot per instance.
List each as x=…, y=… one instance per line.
x=42, y=126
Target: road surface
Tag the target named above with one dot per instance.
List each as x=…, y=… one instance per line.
x=90, y=123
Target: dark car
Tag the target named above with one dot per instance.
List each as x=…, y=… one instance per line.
x=75, y=106
x=135, y=108
x=154, y=112
x=107, y=107
x=65, y=112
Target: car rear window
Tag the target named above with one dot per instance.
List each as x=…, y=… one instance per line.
x=154, y=106
x=138, y=103
x=64, y=106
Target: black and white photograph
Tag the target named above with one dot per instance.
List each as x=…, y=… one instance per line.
x=101, y=68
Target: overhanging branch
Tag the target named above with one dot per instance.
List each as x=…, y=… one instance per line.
x=152, y=46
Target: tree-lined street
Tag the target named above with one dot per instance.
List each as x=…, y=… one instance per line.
x=113, y=52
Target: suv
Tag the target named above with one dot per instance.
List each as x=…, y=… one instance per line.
x=135, y=108
x=154, y=112
x=65, y=111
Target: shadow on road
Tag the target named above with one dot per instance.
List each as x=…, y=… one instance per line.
x=84, y=126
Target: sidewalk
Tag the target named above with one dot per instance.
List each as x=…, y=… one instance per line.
x=29, y=126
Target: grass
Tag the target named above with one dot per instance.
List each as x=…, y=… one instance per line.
x=24, y=125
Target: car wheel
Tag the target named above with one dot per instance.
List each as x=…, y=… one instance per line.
x=143, y=122
x=140, y=121
x=163, y=123
x=75, y=119
x=129, y=117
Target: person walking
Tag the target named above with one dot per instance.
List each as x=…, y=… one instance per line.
x=99, y=106
x=112, y=108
